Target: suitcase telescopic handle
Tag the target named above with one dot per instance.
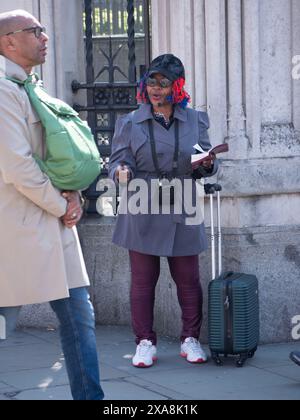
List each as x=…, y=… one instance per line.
x=211, y=189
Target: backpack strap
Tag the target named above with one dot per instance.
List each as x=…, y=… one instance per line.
x=18, y=82
x=30, y=80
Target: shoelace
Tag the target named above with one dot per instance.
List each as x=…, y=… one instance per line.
x=144, y=347
x=194, y=345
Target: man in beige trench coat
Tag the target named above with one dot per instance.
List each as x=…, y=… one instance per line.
x=40, y=254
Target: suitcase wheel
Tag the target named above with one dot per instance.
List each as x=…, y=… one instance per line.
x=216, y=359
x=252, y=353
x=241, y=360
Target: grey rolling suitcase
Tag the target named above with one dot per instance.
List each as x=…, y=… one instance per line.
x=233, y=305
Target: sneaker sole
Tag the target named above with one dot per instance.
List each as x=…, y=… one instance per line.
x=195, y=362
x=143, y=366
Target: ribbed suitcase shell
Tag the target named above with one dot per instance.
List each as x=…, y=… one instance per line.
x=233, y=312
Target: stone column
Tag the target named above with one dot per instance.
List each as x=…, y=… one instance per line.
x=236, y=114
x=160, y=27
x=279, y=93
x=48, y=70
x=30, y=6
x=276, y=52
x=66, y=60
x=182, y=39
x=173, y=25
x=251, y=38
x=296, y=52
x=216, y=69
x=200, y=55
x=195, y=31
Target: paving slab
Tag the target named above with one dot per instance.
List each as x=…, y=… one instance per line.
x=32, y=367
x=126, y=390
x=274, y=354
x=19, y=339
x=211, y=382
x=28, y=357
x=36, y=378
x=58, y=393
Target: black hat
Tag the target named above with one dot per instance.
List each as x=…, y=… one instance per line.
x=169, y=66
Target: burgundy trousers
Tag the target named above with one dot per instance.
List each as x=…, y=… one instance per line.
x=145, y=270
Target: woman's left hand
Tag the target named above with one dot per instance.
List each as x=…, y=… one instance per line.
x=208, y=164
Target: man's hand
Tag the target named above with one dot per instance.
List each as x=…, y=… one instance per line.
x=74, y=210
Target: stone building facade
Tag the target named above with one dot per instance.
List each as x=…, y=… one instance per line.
x=242, y=60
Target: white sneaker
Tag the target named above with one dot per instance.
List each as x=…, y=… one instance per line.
x=191, y=350
x=145, y=354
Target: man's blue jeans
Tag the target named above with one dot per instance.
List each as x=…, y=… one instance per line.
x=77, y=330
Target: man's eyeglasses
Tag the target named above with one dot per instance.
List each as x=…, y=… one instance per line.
x=163, y=83
x=37, y=30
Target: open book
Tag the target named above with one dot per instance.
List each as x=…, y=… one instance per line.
x=202, y=156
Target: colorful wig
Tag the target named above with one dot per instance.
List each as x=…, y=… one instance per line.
x=179, y=95
x=142, y=95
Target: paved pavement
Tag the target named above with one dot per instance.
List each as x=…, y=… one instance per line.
x=32, y=368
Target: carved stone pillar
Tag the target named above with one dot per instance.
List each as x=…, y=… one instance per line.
x=276, y=55
x=216, y=69
x=235, y=77
x=200, y=55
x=236, y=115
x=251, y=36
x=296, y=52
x=30, y=6
x=160, y=27
x=172, y=33
x=66, y=60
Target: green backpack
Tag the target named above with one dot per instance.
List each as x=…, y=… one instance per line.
x=72, y=159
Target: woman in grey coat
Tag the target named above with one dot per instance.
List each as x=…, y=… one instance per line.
x=154, y=144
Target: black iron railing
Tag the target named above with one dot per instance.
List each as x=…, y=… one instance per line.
x=111, y=68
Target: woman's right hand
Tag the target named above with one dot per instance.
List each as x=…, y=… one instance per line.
x=123, y=174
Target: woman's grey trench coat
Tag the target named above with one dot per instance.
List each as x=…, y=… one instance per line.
x=159, y=234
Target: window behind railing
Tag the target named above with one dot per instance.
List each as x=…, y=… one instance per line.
x=110, y=25
x=110, y=17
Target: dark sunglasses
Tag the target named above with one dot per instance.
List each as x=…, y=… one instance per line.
x=163, y=83
x=37, y=30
